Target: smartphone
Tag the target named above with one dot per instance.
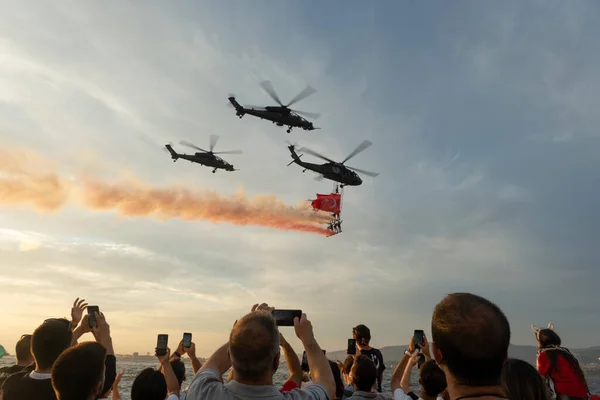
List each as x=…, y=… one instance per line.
x=161, y=344
x=304, y=364
x=421, y=360
x=351, y=347
x=286, y=317
x=418, y=338
x=187, y=340
x=92, y=310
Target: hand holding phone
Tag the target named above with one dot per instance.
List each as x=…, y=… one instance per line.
x=92, y=310
x=286, y=317
x=161, y=344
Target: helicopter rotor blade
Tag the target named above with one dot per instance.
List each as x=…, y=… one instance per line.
x=302, y=95
x=193, y=146
x=213, y=142
x=268, y=87
x=308, y=114
x=314, y=153
x=361, y=147
x=362, y=171
x=229, y=152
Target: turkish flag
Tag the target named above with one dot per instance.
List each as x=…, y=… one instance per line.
x=327, y=202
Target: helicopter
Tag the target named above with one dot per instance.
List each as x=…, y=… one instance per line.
x=332, y=170
x=280, y=115
x=204, y=157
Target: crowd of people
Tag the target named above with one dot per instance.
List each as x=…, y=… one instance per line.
x=466, y=359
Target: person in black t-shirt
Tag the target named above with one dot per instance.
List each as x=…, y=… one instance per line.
x=24, y=359
x=362, y=335
x=47, y=342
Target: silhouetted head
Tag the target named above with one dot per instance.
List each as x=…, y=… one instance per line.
x=49, y=340
x=78, y=373
x=23, y=350
x=364, y=373
x=547, y=338
x=432, y=378
x=471, y=336
x=150, y=384
x=179, y=370
x=521, y=381
x=362, y=335
x=254, y=347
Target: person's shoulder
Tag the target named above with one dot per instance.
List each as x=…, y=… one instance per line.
x=17, y=377
x=204, y=381
x=313, y=391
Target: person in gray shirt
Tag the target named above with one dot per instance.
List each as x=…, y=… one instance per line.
x=253, y=352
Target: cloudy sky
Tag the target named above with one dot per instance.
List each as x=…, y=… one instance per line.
x=484, y=121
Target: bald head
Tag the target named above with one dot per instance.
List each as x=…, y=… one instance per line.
x=472, y=334
x=254, y=346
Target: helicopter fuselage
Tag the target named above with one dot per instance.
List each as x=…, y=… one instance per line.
x=332, y=171
x=206, y=159
x=278, y=115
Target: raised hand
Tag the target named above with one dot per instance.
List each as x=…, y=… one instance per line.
x=180, y=348
x=77, y=310
x=425, y=348
x=191, y=351
x=304, y=329
x=166, y=358
x=262, y=307
x=102, y=330
x=115, y=387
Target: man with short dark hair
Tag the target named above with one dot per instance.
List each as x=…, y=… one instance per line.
x=471, y=336
x=47, y=342
x=253, y=351
x=364, y=379
x=78, y=373
x=24, y=359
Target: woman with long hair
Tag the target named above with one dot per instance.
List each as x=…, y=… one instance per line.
x=521, y=381
x=558, y=364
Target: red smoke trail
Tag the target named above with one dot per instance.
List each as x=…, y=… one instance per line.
x=47, y=191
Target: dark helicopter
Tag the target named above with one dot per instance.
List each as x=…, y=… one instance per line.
x=204, y=157
x=280, y=115
x=335, y=171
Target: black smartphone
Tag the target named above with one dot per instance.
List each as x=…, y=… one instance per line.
x=418, y=338
x=304, y=364
x=92, y=310
x=421, y=360
x=351, y=347
x=187, y=340
x=161, y=344
x=286, y=317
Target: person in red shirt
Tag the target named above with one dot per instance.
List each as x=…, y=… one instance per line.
x=557, y=363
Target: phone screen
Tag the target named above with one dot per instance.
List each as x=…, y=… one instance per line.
x=351, y=347
x=92, y=310
x=187, y=340
x=161, y=344
x=286, y=317
x=418, y=338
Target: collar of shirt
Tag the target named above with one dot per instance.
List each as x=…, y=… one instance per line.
x=252, y=391
x=369, y=395
x=38, y=376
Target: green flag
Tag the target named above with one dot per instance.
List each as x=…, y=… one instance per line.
x=2, y=351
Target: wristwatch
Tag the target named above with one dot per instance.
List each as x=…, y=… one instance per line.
x=408, y=353
x=177, y=354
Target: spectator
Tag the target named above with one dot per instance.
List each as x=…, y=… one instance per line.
x=337, y=377
x=47, y=342
x=253, y=351
x=152, y=384
x=521, y=381
x=78, y=373
x=558, y=364
x=346, y=369
x=179, y=367
x=364, y=379
x=362, y=335
x=432, y=380
x=294, y=381
x=471, y=336
x=24, y=359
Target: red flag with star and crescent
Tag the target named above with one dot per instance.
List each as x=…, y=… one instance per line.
x=327, y=202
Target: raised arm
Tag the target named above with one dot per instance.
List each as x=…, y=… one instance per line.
x=293, y=363
x=219, y=361
x=319, y=366
x=396, y=379
x=169, y=374
x=405, y=383
x=191, y=352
